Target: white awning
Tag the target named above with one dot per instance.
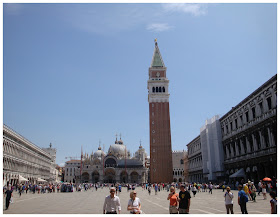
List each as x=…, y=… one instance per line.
x=41, y=180
x=22, y=179
x=239, y=173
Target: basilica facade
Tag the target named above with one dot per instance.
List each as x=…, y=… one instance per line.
x=115, y=166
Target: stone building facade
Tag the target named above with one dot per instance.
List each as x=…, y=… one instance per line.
x=115, y=166
x=160, y=134
x=195, y=169
x=178, y=166
x=23, y=160
x=249, y=134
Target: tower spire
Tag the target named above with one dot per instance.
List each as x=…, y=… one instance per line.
x=157, y=59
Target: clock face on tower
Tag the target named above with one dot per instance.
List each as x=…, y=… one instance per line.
x=158, y=74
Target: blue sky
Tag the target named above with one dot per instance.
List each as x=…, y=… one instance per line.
x=75, y=74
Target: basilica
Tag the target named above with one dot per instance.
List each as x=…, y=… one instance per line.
x=115, y=166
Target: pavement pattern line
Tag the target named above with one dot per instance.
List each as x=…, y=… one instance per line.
x=203, y=211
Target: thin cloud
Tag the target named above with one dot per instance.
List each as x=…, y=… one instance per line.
x=159, y=27
x=194, y=9
x=12, y=8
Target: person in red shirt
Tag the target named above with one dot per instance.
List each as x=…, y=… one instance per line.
x=173, y=196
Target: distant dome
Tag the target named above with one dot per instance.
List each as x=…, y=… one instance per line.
x=98, y=153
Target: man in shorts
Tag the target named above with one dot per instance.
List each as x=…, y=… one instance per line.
x=184, y=200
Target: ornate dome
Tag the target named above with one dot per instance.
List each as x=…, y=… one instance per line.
x=98, y=153
x=117, y=149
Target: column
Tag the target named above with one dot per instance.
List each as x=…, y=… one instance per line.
x=248, y=145
x=269, y=137
x=254, y=143
x=236, y=149
x=262, y=140
x=242, y=147
x=231, y=149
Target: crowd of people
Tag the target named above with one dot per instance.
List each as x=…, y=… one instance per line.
x=178, y=202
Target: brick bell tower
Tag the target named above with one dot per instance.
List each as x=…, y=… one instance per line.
x=161, y=169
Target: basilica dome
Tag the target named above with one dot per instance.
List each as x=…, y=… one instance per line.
x=98, y=153
x=117, y=150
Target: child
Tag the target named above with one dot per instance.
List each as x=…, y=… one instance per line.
x=273, y=202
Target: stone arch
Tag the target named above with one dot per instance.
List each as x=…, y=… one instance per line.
x=85, y=177
x=174, y=180
x=134, y=177
x=180, y=179
x=110, y=175
x=110, y=162
x=123, y=177
x=95, y=176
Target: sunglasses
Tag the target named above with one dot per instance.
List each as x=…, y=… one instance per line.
x=134, y=193
x=112, y=191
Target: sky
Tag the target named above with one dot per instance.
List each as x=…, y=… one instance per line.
x=76, y=74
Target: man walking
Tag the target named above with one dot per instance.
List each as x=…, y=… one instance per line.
x=112, y=203
x=184, y=200
x=242, y=200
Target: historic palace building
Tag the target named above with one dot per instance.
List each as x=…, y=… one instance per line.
x=23, y=161
x=115, y=166
x=249, y=134
x=161, y=168
x=241, y=144
x=178, y=165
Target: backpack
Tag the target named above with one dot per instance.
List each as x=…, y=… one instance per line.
x=244, y=198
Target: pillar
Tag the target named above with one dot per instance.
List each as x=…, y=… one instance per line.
x=269, y=137
x=248, y=145
x=236, y=149
x=231, y=149
x=254, y=143
x=242, y=147
x=262, y=140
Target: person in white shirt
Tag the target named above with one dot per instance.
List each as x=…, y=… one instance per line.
x=229, y=200
x=112, y=203
x=134, y=204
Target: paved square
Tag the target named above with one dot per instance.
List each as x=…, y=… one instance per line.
x=91, y=202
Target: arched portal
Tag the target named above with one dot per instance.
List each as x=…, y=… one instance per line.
x=124, y=177
x=134, y=177
x=85, y=177
x=110, y=162
x=110, y=176
x=95, y=177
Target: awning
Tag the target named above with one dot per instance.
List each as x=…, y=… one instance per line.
x=41, y=180
x=22, y=179
x=239, y=173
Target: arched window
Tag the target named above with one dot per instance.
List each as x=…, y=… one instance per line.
x=156, y=89
x=159, y=90
x=163, y=89
x=153, y=89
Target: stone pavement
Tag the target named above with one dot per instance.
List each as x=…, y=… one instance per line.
x=91, y=202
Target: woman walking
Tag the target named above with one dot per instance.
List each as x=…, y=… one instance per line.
x=264, y=191
x=229, y=201
x=134, y=204
x=173, y=197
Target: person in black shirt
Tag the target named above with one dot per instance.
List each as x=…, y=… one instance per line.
x=9, y=194
x=184, y=200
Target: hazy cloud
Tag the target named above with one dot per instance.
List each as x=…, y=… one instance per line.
x=12, y=8
x=194, y=9
x=158, y=27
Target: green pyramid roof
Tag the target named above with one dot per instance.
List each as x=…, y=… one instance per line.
x=157, y=59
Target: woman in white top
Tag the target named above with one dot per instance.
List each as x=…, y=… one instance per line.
x=229, y=200
x=134, y=204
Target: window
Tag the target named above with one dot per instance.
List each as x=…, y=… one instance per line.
x=163, y=89
x=269, y=103
x=159, y=89
x=254, y=112
x=261, y=107
x=241, y=121
x=156, y=89
x=153, y=89
x=230, y=125
x=235, y=120
x=247, y=116
x=182, y=162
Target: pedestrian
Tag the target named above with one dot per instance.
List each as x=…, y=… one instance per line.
x=173, y=197
x=149, y=189
x=9, y=195
x=156, y=189
x=112, y=203
x=259, y=187
x=210, y=186
x=20, y=190
x=134, y=204
x=26, y=189
x=228, y=200
x=120, y=189
x=253, y=192
x=194, y=190
x=184, y=200
x=264, y=191
x=242, y=200
x=273, y=202
x=246, y=190
x=268, y=187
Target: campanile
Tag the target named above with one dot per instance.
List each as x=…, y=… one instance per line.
x=161, y=169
